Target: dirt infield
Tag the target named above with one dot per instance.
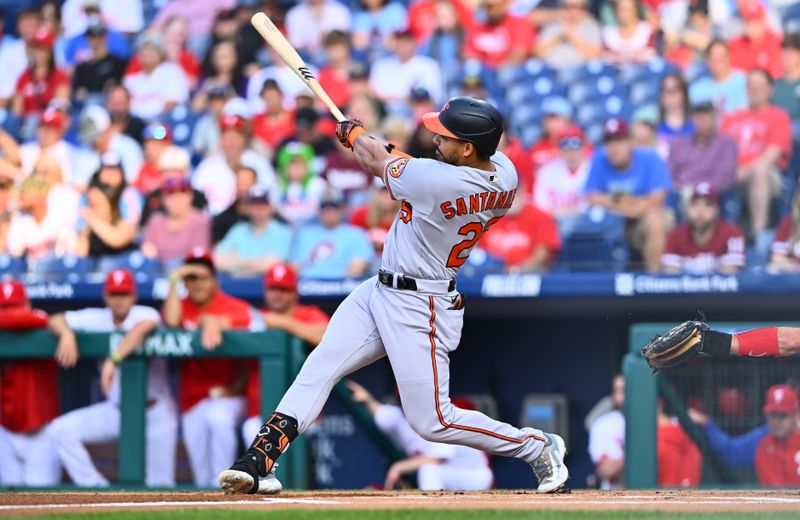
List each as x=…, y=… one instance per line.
x=665, y=500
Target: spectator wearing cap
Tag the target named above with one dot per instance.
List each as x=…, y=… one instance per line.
x=210, y=390
x=42, y=82
x=645, y=122
x=281, y=311
x=29, y=397
x=559, y=182
x=776, y=454
x=172, y=234
x=709, y=156
x=96, y=131
x=334, y=76
x=275, y=124
x=571, y=40
x=101, y=70
x=50, y=143
x=121, y=17
x=630, y=38
x=376, y=216
x=392, y=77
x=174, y=163
x=157, y=138
x=288, y=81
x=332, y=249
x=215, y=175
x=309, y=20
x=763, y=135
x=787, y=88
x=100, y=422
x=526, y=238
x=704, y=243
x=502, y=38
x=299, y=187
x=252, y=247
x=160, y=85
x=631, y=183
x=374, y=23
x=246, y=178
x=758, y=47
x=724, y=86
x=40, y=231
x=557, y=113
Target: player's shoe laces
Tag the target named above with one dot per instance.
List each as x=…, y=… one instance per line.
x=243, y=476
x=549, y=467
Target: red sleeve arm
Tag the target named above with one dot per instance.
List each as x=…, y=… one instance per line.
x=21, y=320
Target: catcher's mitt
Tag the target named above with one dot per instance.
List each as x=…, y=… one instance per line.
x=676, y=346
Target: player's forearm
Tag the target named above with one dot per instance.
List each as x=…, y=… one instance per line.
x=58, y=325
x=310, y=333
x=172, y=311
x=371, y=154
x=131, y=341
x=610, y=468
x=413, y=464
x=357, y=268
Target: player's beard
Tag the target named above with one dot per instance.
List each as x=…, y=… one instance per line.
x=441, y=157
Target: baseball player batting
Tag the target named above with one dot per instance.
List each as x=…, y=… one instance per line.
x=411, y=311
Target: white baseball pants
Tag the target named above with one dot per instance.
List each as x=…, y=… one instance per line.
x=28, y=459
x=417, y=331
x=99, y=423
x=210, y=436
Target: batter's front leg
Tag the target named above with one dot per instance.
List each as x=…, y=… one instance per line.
x=351, y=341
x=419, y=332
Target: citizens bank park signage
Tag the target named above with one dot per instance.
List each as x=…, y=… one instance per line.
x=628, y=284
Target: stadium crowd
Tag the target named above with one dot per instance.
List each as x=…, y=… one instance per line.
x=659, y=132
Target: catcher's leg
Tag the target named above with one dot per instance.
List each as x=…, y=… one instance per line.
x=419, y=332
x=351, y=341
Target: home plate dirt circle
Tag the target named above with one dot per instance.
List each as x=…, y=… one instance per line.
x=662, y=500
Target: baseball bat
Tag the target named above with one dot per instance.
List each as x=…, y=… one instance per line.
x=288, y=54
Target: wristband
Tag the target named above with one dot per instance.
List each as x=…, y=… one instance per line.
x=115, y=358
x=174, y=278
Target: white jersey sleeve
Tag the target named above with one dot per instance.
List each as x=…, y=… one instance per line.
x=101, y=320
x=607, y=437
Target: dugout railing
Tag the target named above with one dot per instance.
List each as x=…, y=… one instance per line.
x=643, y=388
x=279, y=355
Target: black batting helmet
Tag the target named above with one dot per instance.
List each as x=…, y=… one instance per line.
x=468, y=119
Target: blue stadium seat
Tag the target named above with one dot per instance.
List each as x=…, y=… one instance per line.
x=521, y=94
x=12, y=265
x=480, y=263
x=524, y=114
x=182, y=121
x=643, y=92
x=593, y=252
x=69, y=267
x=138, y=263
x=592, y=69
x=791, y=23
x=595, y=87
x=529, y=134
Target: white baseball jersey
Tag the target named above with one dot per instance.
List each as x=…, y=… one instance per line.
x=444, y=212
x=607, y=441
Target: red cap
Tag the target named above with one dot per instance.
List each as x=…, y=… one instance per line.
x=12, y=294
x=43, y=37
x=281, y=276
x=571, y=137
x=53, y=117
x=615, y=128
x=705, y=190
x=781, y=399
x=752, y=10
x=120, y=281
x=198, y=255
x=232, y=122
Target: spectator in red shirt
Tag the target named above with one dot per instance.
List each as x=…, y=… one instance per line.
x=503, y=39
x=422, y=17
x=776, y=454
x=211, y=399
x=28, y=397
x=157, y=137
x=557, y=113
x=376, y=216
x=526, y=239
x=786, y=246
x=680, y=463
x=764, y=136
x=284, y=313
x=275, y=124
x=335, y=75
x=41, y=82
x=704, y=243
x=758, y=47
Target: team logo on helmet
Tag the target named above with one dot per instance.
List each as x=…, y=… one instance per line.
x=396, y=167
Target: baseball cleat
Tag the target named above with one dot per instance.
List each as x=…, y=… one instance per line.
x=549, y=467
x=243, y=478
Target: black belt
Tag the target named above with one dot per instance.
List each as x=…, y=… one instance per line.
x=405, y=283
